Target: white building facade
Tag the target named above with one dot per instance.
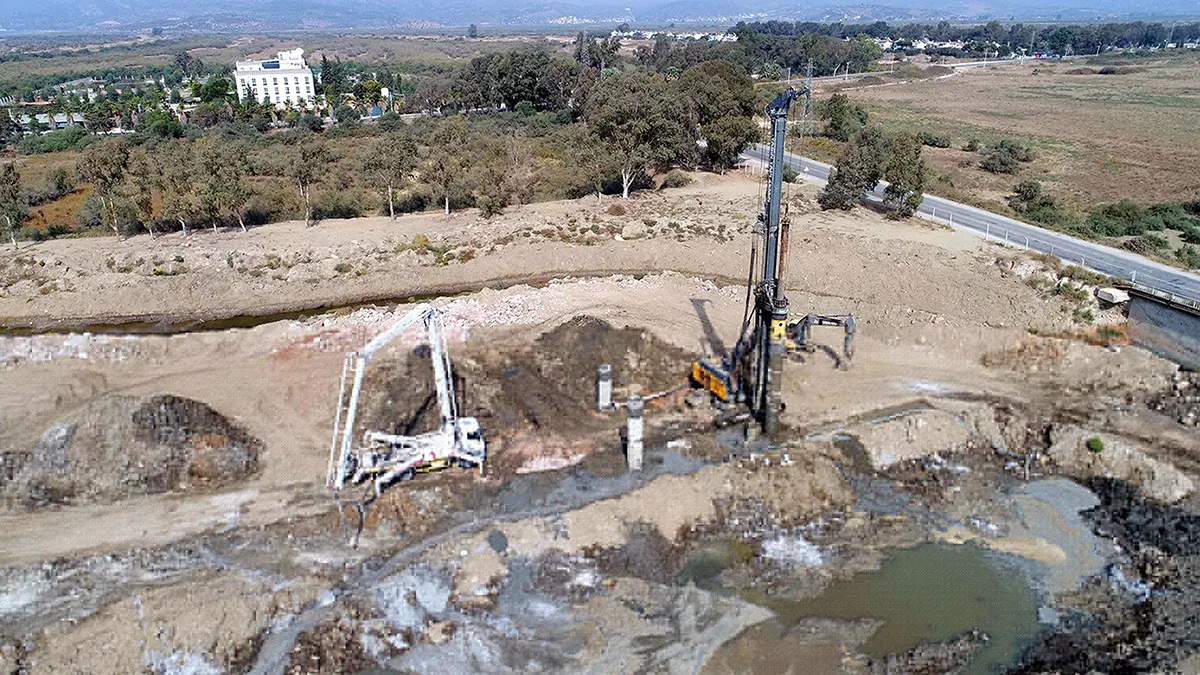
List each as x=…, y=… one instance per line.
x=276, y=81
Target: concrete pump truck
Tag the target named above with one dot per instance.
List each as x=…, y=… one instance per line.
x=383, y=457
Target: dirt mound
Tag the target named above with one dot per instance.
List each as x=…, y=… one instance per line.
x=550, y=386
x=121, y=446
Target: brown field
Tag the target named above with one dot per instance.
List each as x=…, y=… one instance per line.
x=1098, y=138
x=424, y=51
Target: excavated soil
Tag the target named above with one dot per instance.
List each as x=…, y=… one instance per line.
x=120, y=446
x=529, y=398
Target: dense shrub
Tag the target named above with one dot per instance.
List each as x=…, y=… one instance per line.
x=53, y=141
x=1031, y=201
x=934, y=140
x=675, y=179
x=341, y=204
x=1006, y=156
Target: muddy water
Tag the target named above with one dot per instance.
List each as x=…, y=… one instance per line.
x=926, y=594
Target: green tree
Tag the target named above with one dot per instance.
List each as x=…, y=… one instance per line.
x=586, y=152
x=162, y=123
x=447, y=159
x=334, y=79
x=10, y=129
x=771, y=71
x=636, y=118
x=97, y=119
x=390, y=163
x=103, y=165
x=727, y=137
x=12, y=200
x=863, y=51
x=307, y=164
x=175, y=164
x=492, y=176
x=143, y=178
x=904, y=169
x=368, y=92
x=843, y=118
x=858, y=170
x=220, y=187
x=716, y=89
x=216, y=89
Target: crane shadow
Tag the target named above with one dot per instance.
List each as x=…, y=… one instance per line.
x=710, y=332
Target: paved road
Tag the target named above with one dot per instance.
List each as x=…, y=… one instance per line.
x=1110, y=261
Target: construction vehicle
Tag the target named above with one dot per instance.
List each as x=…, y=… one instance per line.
x=383, y=457
x=751, y=373
x=800, y=333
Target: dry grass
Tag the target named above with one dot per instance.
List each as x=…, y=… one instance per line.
x=1098, y=138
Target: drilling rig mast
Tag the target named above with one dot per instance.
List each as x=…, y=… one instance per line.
x=753, y=371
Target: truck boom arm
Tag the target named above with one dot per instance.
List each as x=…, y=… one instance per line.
x=355, y=367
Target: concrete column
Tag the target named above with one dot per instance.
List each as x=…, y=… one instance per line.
x=635, y=408
x=604, y=388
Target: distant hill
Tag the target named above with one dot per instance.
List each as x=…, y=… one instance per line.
x=73, y=15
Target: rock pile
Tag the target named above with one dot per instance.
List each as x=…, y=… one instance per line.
x=1180, y=401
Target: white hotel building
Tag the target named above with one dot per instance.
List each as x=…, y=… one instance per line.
x=279, y=80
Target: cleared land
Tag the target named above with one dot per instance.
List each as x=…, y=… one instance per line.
x=558, y=559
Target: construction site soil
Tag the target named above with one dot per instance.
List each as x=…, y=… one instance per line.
x=166, y=509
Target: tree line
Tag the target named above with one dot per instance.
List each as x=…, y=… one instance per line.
x=1054, y=38
x=525, y=140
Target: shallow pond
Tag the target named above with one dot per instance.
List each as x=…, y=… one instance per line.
x=925, y=594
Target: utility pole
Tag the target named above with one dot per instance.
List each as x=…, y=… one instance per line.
x=806, y=107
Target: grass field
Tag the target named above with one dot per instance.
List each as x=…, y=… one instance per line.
x=1098, y=138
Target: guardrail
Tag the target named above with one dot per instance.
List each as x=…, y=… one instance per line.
x=1163, y=295
x=1048, y=246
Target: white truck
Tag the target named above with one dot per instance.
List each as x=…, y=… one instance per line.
x=383, y=458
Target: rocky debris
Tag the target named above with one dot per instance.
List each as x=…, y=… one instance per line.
x=948, y=657
x=646, y=554
x=1123, y=632
x=1181, y=400
x=15, y=350
x=329, y=649
x=1094, y=454
x=120, y=446
x=570, y=576
x=1135, y=522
